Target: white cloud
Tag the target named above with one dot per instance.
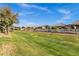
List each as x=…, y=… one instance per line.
x=66, y=15
x=29, y=24
x=25, y=23
x=36, y=7
x=64, y=11
x=26, y=13
x=24, y=5
x=41, y=8
x=21, y=14
x=64, y=18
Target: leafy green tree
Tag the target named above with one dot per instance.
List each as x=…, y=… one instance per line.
x=7, y=18
x=47, y=27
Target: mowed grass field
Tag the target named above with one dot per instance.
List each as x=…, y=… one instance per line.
x=21, y=43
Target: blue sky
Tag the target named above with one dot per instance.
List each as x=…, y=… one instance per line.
x=32, y=14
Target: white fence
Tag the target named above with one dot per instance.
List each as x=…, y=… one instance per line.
x=60, y=30
x=67, y=30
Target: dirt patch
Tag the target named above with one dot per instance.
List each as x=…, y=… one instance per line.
x=7, y=49
x=5, y=35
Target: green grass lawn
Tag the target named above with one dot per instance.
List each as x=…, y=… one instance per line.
x=39, y=44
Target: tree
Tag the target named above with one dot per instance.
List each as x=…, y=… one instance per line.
x=47, y=27
x=7, y=18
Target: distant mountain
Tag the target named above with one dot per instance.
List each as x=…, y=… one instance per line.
x=76, y=22
x=60, y=24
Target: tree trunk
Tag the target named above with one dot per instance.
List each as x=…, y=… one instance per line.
x=7, y=30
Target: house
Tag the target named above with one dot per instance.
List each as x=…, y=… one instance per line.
x=66, y=28
x=60, y=27
x=69, y=28
x=22, y=28
x=30, y=29
x=74, y=27
x=16, y=28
